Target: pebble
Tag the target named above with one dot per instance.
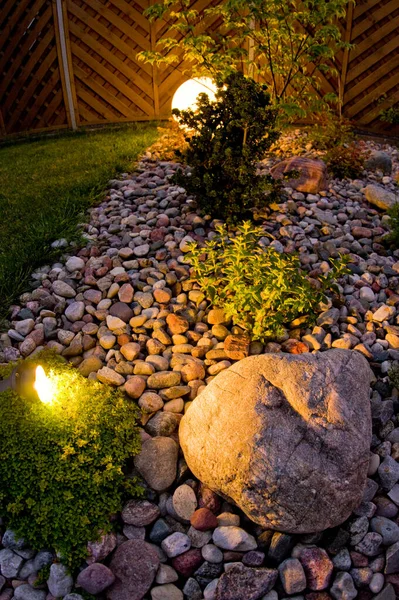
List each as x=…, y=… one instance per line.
x=233, y=538
x=176, y=544
x=128, y=315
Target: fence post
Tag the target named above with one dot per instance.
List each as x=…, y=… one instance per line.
x=65, y=61
x=155, y=71
x=345, y=62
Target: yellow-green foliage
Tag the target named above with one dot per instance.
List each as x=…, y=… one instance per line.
x=260, y=289
x=61, y=465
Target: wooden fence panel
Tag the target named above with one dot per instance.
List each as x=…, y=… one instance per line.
x=86, y=71
x=111, y=85
x=372, y=81
x=31, y=96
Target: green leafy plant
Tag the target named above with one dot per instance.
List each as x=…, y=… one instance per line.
x=346, y=160
x=61, y=465
x=227, y=138
x=329, y=130
x=289, y=44
x=390, y=115
x=393, y=237
x=260, y=289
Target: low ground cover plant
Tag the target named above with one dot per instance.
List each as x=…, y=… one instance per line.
x=259, y=288
x=61, y=465
x=346, y=160
x=227, y=138
x=329, y=130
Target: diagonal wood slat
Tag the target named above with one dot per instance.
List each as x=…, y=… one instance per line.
x=29, y=68
x=109, y=84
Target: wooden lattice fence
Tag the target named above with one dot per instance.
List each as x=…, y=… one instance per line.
x=71, y=63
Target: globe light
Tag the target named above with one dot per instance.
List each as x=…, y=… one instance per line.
x=186, y=95
x=30, y=381
x=43, y=386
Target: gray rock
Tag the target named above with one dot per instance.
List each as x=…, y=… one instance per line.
x=73, y=597
x=10, y=541
x=95, y=578
x=10, y=563
x=233, y=538
x=60, y=582
x=388, y=593
x=27, y=592
x=140, y=513
x=342, y=561
x=75, y=311
x=343, y=587
x=380, y=161
x=42, y=559
x=280, y=546
x=212, y=553
x=157, y=462
x=192, y=589
x=358, y=530
x=370, y=544
x=74, y=264
x=244, y=582
x=134, y=565
x=166, y=592
x=392, y=559
x=184, y=502
x=176, y=544
x=292, y=576
x=377, y=583
x=317, y=454
x=388, y=472
x=63, y=289
x=387, y=529
x=166, y=574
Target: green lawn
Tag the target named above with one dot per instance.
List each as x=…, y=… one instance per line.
x=45, y=187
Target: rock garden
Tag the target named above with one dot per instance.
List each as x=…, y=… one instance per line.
x=221, y=356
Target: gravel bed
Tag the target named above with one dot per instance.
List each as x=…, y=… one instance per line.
x=122, y=310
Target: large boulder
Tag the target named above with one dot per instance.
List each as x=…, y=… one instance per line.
x=286, y=437
x=312, y=176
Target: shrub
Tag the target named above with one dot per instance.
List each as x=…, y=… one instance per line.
x=61, y=466
x=393, y=237
x=229, y=136
x=390, y=115
x=329, y=131
x=259, y=288
x=346, y=161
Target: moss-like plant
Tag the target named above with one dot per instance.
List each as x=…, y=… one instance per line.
x=230, y=135
x=260, y=289
x=61, y=465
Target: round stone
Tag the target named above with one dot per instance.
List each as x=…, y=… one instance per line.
x=95, y=578
x=176, y=544
x=157, y=462
x=184, y=502
x=134, y=565
x=134, y=387
x=140, y=513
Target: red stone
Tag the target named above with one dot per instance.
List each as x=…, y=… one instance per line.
x=203, y=519
x=187, y=563
x=317, y=566
x=295, y=347
x=312, y=174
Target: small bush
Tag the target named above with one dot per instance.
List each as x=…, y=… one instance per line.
x=390, y=115
x=346, y=161
x=61, y=465
x=259, y=288
x=393, y=237
x=229, y=137
x=329, y=131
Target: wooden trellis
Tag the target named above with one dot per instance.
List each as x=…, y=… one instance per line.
x=70, y=63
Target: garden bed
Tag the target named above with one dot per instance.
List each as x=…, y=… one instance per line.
x=123, y=310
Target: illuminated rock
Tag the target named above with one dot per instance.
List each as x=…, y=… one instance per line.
x=286, y=437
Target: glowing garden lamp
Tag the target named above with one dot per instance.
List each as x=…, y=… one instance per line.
x=186, y=95
x=29, y=380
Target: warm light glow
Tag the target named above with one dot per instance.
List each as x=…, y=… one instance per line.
x=44, y=386
x=186, y=96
